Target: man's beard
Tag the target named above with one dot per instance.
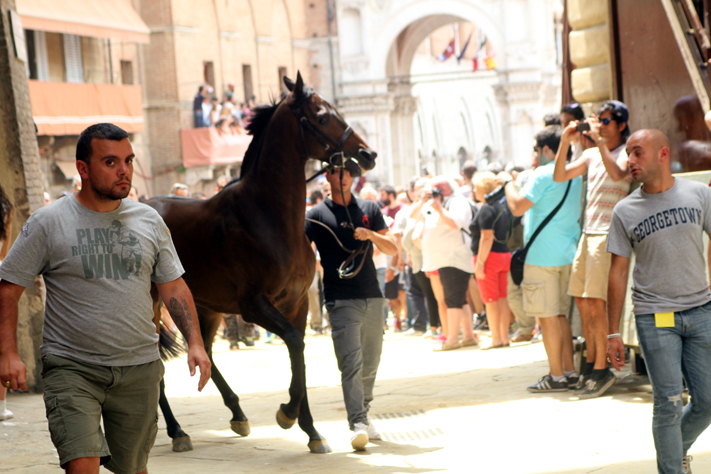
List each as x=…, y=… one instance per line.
x=386, y=202
x=108, y=193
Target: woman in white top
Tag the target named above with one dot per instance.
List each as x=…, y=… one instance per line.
x=5, y=236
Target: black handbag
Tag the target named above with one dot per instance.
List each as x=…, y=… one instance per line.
x=518, y=256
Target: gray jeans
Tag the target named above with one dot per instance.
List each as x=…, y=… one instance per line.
x=357, y=333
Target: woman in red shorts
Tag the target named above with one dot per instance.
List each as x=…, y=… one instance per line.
x=492, y=259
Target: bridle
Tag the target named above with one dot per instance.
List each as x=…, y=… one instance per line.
x=337, y=160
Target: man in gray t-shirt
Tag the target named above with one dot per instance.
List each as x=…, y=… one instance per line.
x=663, y=223
x=98, y=254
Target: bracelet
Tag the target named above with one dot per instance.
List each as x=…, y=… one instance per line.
x=617, y=334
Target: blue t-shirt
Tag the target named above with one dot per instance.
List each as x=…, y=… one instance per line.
x=556, y=243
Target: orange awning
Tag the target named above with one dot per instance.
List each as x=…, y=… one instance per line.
x=96, y=18
x=62, y=108
x=206, y=146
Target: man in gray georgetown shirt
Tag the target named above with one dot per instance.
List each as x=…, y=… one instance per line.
x=98, y=254
x=663, y=223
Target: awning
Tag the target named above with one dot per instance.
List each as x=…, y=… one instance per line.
x=62, y=108
x=97, y=18
x=206, y=146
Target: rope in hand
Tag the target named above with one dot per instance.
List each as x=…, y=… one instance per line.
x=346, y=270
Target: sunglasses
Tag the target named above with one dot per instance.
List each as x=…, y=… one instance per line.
x=606, y=121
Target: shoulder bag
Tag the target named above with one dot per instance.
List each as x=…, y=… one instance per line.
x=518, y=256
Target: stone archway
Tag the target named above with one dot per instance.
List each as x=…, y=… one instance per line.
x=375, y=86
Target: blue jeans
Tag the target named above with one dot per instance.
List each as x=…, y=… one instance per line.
x=357, y=333
x=669, y=353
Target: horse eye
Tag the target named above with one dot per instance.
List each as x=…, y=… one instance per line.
x=322, y=121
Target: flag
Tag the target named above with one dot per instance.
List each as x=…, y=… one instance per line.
x=464, y=49
x=490, y=62
x=448, y=52
x=477, y=55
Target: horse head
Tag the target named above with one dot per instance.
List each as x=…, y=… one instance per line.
x=324, y=134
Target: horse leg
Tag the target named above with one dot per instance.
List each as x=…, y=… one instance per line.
x=209, y=325
x=181, y=440
x=262, y=312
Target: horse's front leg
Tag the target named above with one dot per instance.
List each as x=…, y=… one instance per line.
x=209, y=325
x=181, y=440
x=259, y=310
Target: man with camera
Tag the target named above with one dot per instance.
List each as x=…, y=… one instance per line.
x=549, y=257
x=608, y=182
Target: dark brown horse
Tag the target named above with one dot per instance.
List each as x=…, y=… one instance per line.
x=244, y=250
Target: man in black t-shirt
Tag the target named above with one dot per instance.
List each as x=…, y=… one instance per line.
x=355, y=305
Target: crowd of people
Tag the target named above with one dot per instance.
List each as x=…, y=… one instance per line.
x=226, y=115
x=507, y=250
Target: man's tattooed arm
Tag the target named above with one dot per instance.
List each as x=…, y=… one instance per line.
x=182, y=316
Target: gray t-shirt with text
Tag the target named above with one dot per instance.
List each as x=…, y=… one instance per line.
x=665, y=232
x=98, y=268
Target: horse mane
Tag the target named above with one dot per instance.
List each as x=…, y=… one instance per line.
x=258, y=123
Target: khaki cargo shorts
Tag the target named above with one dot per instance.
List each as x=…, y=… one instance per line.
x=77, y=396
x=544, y=290
x=591, y=268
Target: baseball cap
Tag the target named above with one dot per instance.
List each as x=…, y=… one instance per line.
x=618, y=110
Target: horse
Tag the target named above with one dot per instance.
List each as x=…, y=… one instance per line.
x=244, y=250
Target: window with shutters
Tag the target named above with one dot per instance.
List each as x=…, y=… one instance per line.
x=37, y=63
x=72, y=59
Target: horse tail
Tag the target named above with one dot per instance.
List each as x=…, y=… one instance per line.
x=169, y=343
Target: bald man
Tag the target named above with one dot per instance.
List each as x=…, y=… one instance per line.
x=663, y=223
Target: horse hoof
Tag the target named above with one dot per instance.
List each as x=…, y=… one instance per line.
x=284, y=421
x=240, y=427
x=319, y=446
x=182, y=444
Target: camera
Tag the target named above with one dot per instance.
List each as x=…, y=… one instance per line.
x=583, y=127
x=497, y=195
x=436, y=192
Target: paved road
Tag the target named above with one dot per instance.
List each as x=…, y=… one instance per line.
x=461, y=411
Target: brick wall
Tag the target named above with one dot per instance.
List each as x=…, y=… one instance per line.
x=21, y=178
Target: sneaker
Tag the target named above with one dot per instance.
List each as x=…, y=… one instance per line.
x=247, y=341
x=582, y=382
x=481, y=324
x=360, y=436
x=547, y=384
x=373, y=432
x=6, y=414
x=440, y=338
x=430, y=334
x=414, y=332
x=538, y=337
x=573, y=380
x=686, y=464
x=595, y=388
x=521, y=336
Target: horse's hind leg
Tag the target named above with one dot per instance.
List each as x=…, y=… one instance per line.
x=181, y=440
x=209, y=324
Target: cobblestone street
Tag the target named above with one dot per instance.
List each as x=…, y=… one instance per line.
x=459, y=411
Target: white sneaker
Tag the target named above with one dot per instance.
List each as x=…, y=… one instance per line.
x=360, y=436
x=373, y=432
x=6, y=415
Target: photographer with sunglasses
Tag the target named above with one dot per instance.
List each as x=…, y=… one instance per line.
x=608, y=182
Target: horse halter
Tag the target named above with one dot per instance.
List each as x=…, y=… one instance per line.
x=337, y=158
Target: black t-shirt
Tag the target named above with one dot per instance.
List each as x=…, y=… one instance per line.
x=197, y=102
x=491, y=216
x=364, y=214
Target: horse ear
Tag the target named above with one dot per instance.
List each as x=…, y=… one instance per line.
x=299, y=86
x=289, y=84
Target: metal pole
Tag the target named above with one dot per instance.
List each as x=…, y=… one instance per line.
x=331, y=16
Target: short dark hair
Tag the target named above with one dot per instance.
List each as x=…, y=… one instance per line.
x=573, y=109
x=550, y=137
x=468, y=169
x=389, y=190
x=100, y=131
x=620, y=113
x=551, y=119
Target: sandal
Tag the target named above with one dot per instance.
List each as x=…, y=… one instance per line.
x=470, y=342
x=448, y=346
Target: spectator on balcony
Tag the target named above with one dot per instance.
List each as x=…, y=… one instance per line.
x=215, y=109
x=197, y=107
